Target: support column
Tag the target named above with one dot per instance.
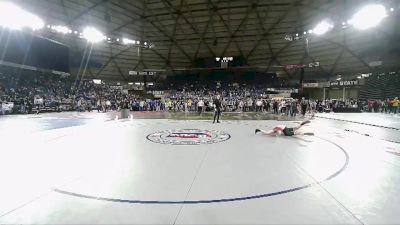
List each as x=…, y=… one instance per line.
x=344, y=93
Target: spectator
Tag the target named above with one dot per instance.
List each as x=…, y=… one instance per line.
x=395, y=105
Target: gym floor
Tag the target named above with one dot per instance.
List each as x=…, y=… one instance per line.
x=89, y=168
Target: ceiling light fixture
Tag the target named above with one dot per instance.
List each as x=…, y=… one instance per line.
x=369, y=16
x=322, y=28
x=93, y=35
x=13, y=17
x=61, y=29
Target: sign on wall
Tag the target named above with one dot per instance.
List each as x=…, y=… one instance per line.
x=157, y=94
x=143, y=73
x=116, y=87
x=299, y=66
x=344, y=83
x=310, y=85
x=7, y=106
x=283, y=90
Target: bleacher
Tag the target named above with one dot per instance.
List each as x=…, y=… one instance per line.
x=381, y=87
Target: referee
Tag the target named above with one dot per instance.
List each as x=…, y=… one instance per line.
x=217, y=108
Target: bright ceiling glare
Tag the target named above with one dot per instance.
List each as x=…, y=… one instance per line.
x=368, y=17
x=127, y=41
x=13, y=17
x=93, y=35
x=61, y=29
x=322, y=28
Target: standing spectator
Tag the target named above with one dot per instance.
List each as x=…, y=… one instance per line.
x=283, y=106
x=384, y=106
x=189, y=104
x=99, y=105
x=79, y=105
x=200, y=106
x=293, y=108
x=241, y=105
x=275, y=107
x=217, y=108
x=288, y=108
x=259, y=105
x=304, y=104
x=370, y=103
x=169, y=105
x=395, y=105
x=375, y=105
x=268, y=107
x=141, y=105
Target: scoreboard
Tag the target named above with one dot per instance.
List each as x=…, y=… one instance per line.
x=220, y=62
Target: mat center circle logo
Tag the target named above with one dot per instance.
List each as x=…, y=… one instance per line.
x=188, y=137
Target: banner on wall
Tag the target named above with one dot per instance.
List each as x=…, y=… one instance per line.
x=324, y=84
x=344, y=83
x=284, y=90
x=7, y=106
x=279, y=96
x=316, y=85
x=157, y=94
x=310, y=85
x=299, y=66
x=143, y=73
x=116, y=87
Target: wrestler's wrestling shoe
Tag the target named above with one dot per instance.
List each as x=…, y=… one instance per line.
x=256, y=131
x=305, y=122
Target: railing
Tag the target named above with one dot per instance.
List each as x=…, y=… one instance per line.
x=381, y=87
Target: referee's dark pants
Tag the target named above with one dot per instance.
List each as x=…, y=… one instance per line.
x=217, y=113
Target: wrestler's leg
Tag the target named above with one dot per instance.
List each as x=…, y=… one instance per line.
x=304, y=133
x=302, y=124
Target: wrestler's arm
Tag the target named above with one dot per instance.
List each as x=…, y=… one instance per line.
x=271, y=132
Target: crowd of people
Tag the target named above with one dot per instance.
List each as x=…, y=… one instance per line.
x=43, y=92
x=384, y=106
x=32, y=94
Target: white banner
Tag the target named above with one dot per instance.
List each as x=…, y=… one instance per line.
x=310, y=85
x=283, y=90
x=157, y=94
x=143, y=73
x=38, y=101
x=116, y=87
x=344, y=83
x=279, y=96
x=7, y=106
